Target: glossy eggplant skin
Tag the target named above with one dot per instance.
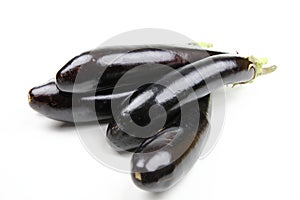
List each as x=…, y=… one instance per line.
x=161, y=161
x=198, y=79
x=111, y=63
x=48, y=100
x=121, y=141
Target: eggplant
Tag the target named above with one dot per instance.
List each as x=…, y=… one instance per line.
x=185, y=85
x=48, y=100
x=162, y=161
x=100, y=69
x=121, y=141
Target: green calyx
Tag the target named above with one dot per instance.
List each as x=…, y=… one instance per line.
x=205, y=45
x=258, y=65
x=202, y=44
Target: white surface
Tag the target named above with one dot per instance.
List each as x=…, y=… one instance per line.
x=257, y=156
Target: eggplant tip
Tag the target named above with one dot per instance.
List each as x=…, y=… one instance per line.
x=138, y=176
x=30, y=98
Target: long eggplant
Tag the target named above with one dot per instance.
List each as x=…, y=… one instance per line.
x=187, y=84
x=100, y=69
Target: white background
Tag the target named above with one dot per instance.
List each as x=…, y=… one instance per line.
x=257, y=156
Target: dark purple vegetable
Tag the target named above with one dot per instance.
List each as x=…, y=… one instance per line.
x=161, y=161
x=121, y=141
x=187, y=84
x=49, y=101
x=111, y=63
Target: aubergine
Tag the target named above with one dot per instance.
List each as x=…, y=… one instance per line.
x=100, y=69
x=48, y=100
x=195, y=81
x=121, y=141
x=163, y=160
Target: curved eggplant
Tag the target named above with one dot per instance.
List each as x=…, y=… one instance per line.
x=195, y=81
x=100, y=69
x=121, y=141
x=161, y=161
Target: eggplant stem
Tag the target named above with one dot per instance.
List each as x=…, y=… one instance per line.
x=258, y=65
x=268, y=70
